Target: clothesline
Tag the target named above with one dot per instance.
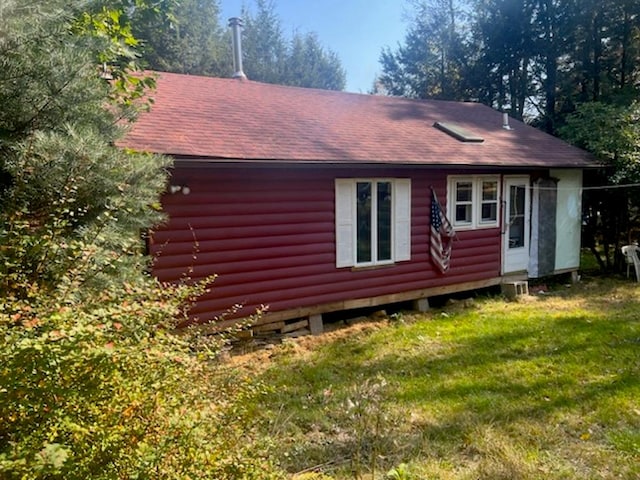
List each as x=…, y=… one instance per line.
x=601, y=187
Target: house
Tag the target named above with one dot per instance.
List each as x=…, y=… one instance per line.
x=312, y=201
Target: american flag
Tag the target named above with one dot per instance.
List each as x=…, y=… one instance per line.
x=442, y=234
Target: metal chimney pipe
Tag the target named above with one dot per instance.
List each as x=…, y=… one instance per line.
x=236, y=24
x=505, y=121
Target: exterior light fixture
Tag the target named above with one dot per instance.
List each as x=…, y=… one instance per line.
x=173, y=189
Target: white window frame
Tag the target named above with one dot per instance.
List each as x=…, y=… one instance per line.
x=476, y=182
x=346, y=231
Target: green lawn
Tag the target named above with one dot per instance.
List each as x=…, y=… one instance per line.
x=546, y=387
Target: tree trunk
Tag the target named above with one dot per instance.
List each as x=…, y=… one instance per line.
x=626, y=34
x=597, y=54
x=523, y=89
x=551, y=65
x=513, y=91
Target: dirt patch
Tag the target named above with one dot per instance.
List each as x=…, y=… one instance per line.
x=257, y=354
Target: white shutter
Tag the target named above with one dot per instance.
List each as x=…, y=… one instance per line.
x=402, y=219
x=345, y=223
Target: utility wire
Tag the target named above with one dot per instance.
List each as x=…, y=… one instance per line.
x=602, y=187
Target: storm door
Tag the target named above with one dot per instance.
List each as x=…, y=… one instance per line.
x=516, y=225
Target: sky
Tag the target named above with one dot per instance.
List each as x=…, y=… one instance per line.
x=356, y=30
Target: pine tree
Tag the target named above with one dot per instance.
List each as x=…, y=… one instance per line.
x=72, y=204
x=271, y=58
x=189, y=39
x=432, y=61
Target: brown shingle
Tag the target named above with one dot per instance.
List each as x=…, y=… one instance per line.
x=231, y=119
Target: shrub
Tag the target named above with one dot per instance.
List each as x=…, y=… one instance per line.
x=93, y=383
x=105, y=390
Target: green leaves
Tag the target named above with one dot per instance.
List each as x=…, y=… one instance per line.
x=75, y=209
x=103, y=389
x=430, y=62
x=308, y=64
x=93, y=383
x=534, y=58
x=611, y=132
x=72, y=204
x=272, y=58
x=52, y=457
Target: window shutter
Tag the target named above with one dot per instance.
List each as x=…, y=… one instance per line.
x=345, y=223
x=402, y=222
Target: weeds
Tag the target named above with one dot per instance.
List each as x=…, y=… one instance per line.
x=367, y=421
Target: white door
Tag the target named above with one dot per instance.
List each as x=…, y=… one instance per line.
x=516, y=225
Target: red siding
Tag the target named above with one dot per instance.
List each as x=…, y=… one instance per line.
x=269, y=235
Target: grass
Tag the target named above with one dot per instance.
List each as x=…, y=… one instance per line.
x=547, y=387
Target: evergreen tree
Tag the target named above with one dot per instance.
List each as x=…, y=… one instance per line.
x=432, y=61
x=271, y=58
x=504, y=41
x=72, y=204
x=308, y=64
x=570, y=67
x=263, y=44
x=189, y=40
x=533, y=58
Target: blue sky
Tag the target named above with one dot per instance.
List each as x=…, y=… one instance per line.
x=356, y=30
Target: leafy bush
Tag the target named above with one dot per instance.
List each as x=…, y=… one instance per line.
x=73, y=212
x=93, y=383
x=68, y=196
x=105, y=390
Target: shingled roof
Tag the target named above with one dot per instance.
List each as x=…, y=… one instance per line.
x=240, y=120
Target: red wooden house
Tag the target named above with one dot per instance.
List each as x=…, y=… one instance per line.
x=312, y=201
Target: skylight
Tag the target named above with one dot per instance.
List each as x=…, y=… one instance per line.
x=458, y=132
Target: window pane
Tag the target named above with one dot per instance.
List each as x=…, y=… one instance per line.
x=464, y=191
x=384, y=220
x=516, y=232
x=489, y=207
x=363, y=217
x=517, y=196
x=490, y=190
x=463, y=213
x=489, y=212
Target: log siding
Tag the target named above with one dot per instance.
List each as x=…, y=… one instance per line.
x=268, y=233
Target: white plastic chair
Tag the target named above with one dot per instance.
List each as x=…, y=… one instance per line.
x=632, y=257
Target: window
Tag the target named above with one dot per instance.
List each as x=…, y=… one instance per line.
x=464, y=203
x=489, y=202
x=373, y=216
x=473, y=201
x=373, y=221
